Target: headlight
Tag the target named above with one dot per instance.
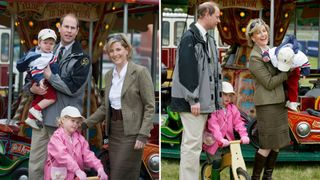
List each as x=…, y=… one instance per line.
x=303, y=129
x=153, y=163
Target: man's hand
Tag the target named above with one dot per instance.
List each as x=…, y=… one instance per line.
x=139, y=145
x=195, y=109
x=38, y=90
x=47, y=72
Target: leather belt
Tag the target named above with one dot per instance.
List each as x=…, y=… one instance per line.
x=116, y=114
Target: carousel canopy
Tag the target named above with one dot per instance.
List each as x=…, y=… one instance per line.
x=106, y=16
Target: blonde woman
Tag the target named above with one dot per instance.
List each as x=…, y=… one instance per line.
x=128, y=108
x=269, y=100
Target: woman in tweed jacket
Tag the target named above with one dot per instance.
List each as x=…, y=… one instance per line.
x=269, y=100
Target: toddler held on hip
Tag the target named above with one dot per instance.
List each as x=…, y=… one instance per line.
x=34, y=62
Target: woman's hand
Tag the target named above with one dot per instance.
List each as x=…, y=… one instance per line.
x=42, y=84
x=139, y=145
x=38, y=90
x=47, y=72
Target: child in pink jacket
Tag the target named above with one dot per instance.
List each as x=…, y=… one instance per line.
x=68, y=151
x=220, y=125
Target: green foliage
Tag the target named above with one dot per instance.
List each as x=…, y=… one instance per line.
x=304, y=21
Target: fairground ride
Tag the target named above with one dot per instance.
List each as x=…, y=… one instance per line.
x=22, y=20
x=300, y=18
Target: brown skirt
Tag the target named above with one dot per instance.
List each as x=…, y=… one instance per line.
x=125, y=162
x=273, y=128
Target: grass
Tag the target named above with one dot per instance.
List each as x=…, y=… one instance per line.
x=283, y=171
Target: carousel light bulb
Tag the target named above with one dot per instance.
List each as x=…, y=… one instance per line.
x=30, y=23
x=242, y=14
x=286, y=15
x=100, y=44
x=225, y=28
x=22, y=41
x=221, y=13
x=35, y=42
x=113, y=8
x=106, y=26
x=281, y=30
x=16, y=23
x=58, y=24
x=243, y=29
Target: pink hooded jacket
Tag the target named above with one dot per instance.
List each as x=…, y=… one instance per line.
x=63, y=153
x=221, y=124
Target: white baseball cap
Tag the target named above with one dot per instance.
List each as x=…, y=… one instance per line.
x=285, y=59
x=227, y=87
x=71, y=111
x=47, y=33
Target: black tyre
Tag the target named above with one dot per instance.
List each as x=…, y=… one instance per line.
x=206, y=171
x=104, y=157
x=253, y=134
x=242, y=174
x=20, y=174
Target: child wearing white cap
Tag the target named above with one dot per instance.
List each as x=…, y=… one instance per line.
x=68, y=151
x=35, y=61
x=288, y=57
x=220, y=126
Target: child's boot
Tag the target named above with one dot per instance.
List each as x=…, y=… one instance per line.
x=215, y=171
x=32, y=123
x=36, y=113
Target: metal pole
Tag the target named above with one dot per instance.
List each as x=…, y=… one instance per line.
x=90, y=75
x=154, y=57
x=295, y=22
x=125, y=19
x=272, y=24
x=90, y=55
x=260, y=13
x=100, y=73
x=318, y=40
x=10, y=69
x=20, y=78
x=195, y=14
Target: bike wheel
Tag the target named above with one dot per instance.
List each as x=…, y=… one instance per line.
x=242, y=174
x=20, y=174
x=206, y=171
x=253, y=134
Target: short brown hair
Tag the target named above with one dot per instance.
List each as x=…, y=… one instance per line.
x=205, y=7
x=71, y=15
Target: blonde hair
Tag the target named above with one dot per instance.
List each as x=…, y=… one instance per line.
x=122, y=39
x=62, y=119
x=253, y=27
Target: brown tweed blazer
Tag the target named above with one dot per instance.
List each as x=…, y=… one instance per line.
x=137, y=101
x=268, y=80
